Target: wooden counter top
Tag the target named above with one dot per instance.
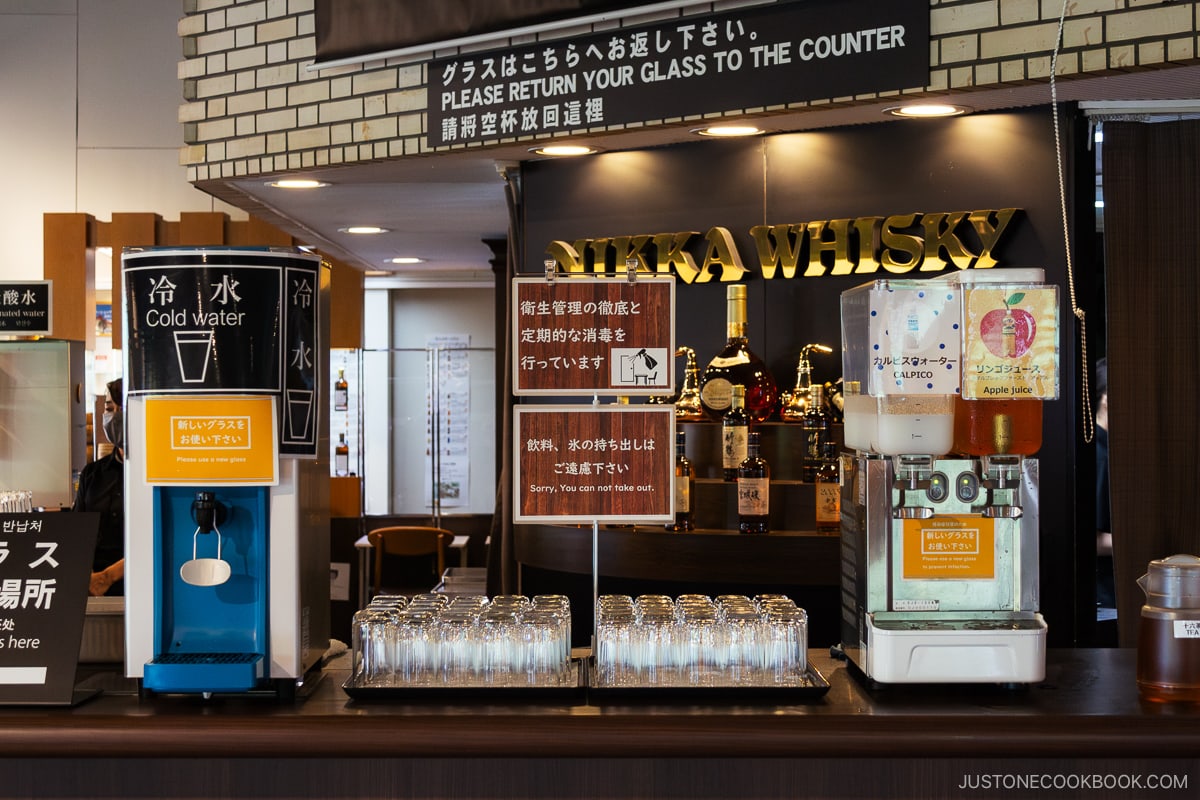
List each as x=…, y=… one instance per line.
x=1086, y=708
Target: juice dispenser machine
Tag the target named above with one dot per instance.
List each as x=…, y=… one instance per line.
x=940, y=538
x=227, y=487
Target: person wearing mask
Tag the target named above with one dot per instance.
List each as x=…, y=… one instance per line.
x=102, y=489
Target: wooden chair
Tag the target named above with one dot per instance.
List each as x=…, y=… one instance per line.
x=420, y=547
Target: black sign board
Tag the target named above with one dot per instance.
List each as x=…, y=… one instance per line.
x=45, y=568
x=210, y=320
x=692, y=65
x=25, y=308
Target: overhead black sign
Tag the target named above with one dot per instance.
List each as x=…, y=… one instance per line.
x=697, y=64
x=45, y=568
x=25, y=308
x=208, y=320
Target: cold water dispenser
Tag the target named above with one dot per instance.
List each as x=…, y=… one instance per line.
x=227, y=477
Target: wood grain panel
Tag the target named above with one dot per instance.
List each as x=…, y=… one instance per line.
x=202, y=228
x=68, y=261
x=346, y=305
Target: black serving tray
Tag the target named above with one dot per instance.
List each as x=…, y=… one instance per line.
x=807, y=686
x=568, y=690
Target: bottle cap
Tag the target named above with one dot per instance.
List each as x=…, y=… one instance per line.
x=739, y=390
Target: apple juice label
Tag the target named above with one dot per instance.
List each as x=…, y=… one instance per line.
x=753, y=496
x=1010, y=342
x=915, y=342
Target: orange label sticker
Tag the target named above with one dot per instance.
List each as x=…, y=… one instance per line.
x=949, y=548
x=211, y=439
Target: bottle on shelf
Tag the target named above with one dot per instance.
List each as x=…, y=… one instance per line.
x=736, y=363
x=341, y=391
x=829, y=493
x=685, y=486
x=735, y=429
x=815, y=433
x=835, y=402
x=794, y=403
x=687, y=407
x=753, y=490
x=341, y=456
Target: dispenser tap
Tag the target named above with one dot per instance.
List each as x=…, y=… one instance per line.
x=794, y=403
x=207, y=512
x=688, y=407
x=1002, y=473
x=912, y=479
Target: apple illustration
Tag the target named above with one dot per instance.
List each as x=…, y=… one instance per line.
x=1008, y=332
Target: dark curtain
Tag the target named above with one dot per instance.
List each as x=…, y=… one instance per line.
x=1151, y=219
x=359, y=27
x=502, y=561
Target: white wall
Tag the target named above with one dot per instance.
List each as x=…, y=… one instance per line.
x=89, y=103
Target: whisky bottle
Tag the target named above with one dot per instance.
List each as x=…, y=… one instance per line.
x=814, y=433
x=753, y=490
x=737, y=364
x=735, y=427
x=829, y=494
x=341, y=392
x=685, y=486
x=341, y=456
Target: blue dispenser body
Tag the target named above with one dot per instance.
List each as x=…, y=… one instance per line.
x=210, y=638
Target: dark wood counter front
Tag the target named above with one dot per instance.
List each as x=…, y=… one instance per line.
x=1086, y=715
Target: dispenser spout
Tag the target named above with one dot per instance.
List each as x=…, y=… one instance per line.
x=207, y=512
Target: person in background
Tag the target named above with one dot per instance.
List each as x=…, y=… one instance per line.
x=102, y=489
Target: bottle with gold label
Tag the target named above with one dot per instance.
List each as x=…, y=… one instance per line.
x=754, y=490
x=737, y=364
x=829, y=494
x=735, y=429
x=685, y=487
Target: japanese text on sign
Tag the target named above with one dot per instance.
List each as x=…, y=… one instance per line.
x=25, y=307
x=220, y=433
x=691, y=65
x=589, y=334
x=28, y=592
x=954, y=548
x=593, y=463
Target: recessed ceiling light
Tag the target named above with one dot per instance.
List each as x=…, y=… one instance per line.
x=728, y=130
x=297, y=183
x=926, y=110
x=565, y=150
x=406, y=260
x=363, y=229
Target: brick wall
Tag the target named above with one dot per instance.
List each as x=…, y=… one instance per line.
x=252, y=106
